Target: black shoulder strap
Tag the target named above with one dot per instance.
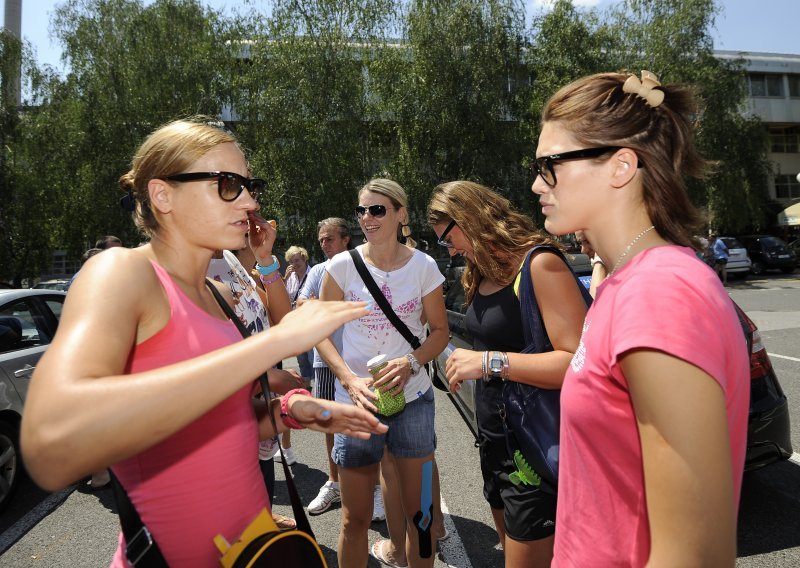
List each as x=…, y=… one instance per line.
x=141, y=549
x=297, y=506
x=534, y=331
x=378, y=296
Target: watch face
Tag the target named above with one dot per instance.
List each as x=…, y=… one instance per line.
x=496, y=364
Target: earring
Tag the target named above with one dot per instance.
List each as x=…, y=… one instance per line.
x=406, y=230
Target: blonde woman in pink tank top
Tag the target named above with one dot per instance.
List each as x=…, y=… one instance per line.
x=147, y=375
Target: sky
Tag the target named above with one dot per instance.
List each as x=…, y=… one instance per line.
x=744, y=25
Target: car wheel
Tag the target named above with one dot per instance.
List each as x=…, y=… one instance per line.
x=757, y=267
x=787, y=269
x=10, y=462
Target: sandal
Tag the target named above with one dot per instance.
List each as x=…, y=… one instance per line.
x=377, y=553
x=283, y=522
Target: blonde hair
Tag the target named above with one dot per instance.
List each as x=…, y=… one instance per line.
x=491, y=225
x=397, y=196
x=169, y=150
x=293, y=250
x=597, y=112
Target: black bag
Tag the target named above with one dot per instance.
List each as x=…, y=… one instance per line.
x=532, y=415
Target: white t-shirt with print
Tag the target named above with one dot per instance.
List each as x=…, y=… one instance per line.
x=374, y=334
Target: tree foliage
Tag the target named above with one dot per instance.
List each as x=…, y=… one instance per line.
x=325, y=94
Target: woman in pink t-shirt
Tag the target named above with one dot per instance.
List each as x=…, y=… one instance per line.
x=654, y=404
x=147, y=373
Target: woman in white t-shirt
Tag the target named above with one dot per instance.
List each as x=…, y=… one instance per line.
x=412, y=283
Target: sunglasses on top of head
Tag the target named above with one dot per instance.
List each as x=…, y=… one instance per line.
x=377, y=211
x=544, y=166
x=229, y=185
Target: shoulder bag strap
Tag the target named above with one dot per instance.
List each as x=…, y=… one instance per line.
x=378, y=296
x=141, y=549
x=297, y=506
x=532, y=325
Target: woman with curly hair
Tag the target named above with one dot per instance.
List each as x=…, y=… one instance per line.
x=476, y=222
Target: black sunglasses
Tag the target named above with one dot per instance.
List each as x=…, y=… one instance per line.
x=442, y=241
x=544, y=166
x=229, y=185
x=377, y=211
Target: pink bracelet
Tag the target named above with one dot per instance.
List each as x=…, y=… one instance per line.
x=274, y=278
x=287, y=418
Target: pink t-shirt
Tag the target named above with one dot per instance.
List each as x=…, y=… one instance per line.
x=204, y=479
x=664, y=299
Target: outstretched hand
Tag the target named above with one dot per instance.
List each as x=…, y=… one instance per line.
x=328, y=416
x=315, y=320
x=463, y=365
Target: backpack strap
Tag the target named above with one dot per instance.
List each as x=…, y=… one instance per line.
x=297, y=506
x=534, y=331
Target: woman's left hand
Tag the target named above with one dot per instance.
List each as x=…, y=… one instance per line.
x=463, y=365
x=261, y=237
x=328, y=416
x=393, y=378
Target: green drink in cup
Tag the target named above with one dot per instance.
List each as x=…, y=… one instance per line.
x=387, y=404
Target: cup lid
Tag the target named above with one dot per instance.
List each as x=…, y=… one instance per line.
x=377, y=360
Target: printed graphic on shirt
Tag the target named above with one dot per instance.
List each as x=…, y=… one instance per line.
x=579, y=358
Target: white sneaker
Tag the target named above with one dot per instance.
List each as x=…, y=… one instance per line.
x=378, y=514
x=289, y=453
x=328, y=495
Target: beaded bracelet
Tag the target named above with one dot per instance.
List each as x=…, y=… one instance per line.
x=267, y=281
x=269, y=269
x=285, y=416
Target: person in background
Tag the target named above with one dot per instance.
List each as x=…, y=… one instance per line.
x=599, y=270
x=250, y=303
x=333, y=235
x=495, y=239
x=294, y=278
x=107, y=242
x=720, y=254
x=655, y=401
x=412, y=284
x=133, y=376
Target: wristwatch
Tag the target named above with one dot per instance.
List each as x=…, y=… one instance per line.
x=414, y=363
x=496, y=365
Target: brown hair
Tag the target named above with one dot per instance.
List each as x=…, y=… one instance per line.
x=167, y=151
x=397, y=196
x=597, y=112
x=498, y=234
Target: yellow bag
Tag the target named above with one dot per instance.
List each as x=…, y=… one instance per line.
x=263, y=544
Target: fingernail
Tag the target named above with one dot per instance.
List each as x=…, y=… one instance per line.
x=369, y=306
x=326, y=413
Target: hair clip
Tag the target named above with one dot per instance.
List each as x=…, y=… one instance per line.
x=644, y=88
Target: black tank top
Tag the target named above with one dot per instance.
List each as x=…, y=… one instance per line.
x=495, y=323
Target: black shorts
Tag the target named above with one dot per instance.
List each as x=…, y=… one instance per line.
x=324, y=383
x=529, y=513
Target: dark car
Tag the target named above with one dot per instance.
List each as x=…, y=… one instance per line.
x=768, y=432
x=28, y=322
x=769, y=253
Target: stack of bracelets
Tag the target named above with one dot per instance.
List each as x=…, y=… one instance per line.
x=270, y=273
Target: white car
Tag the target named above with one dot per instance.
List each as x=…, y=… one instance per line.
x=738, y=261
x=28, y=322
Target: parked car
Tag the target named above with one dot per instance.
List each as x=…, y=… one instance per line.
x=768, y=432
x=795, y=246
x=28, y=322
x=768, y=253
x=52, y=285
x=739, y=263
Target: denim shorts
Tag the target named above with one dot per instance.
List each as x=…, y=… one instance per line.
x=411, y=435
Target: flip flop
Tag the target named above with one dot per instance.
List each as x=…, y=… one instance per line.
x=377, y=554
x=284, y=522
x=444, y=537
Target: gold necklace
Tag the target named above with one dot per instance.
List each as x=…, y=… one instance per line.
x=629, y=247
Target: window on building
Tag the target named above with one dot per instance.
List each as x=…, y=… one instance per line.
x=787, y=187
x=794, y=85
x=784, y=140
x=764, y=85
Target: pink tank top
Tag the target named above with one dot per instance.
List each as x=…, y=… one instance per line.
x=203, y=480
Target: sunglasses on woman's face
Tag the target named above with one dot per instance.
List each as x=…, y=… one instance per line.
x=229, y=185
x=376, y=211
x=443, y=239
